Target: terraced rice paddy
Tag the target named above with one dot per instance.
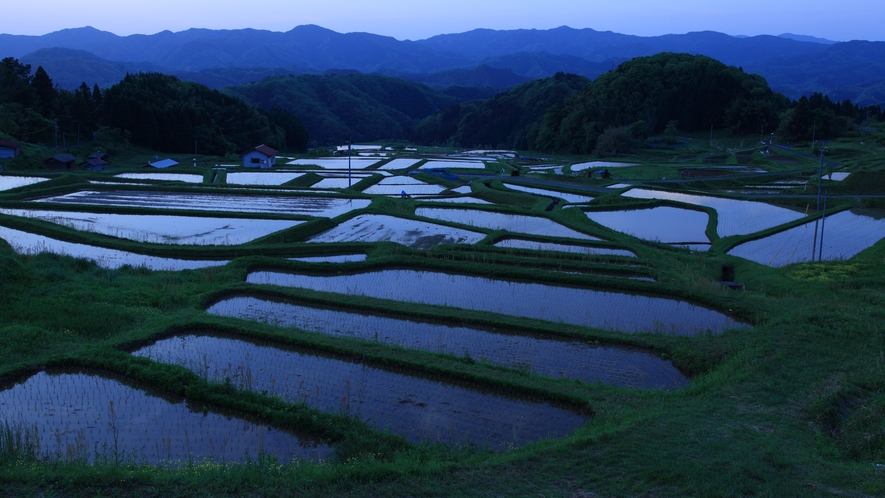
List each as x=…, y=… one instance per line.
x=257, y=178
x=574, y=198
x=610, y=310
x=736, y=217
x=662, y=224
x=433, y=164
x=341, y=258
x=161, y=229
x=545, y=356
x=80, y=416
x=844, y=235
x=337, y=163
x=413, y=233
x=165, y=177
x=400, y=163
x=395, y=185
x=599, y=164
x=453, y=200
x=11, y=182
x=416, y=408
x=295, y=205
x=532, y=225
x=29, y=243
x=550, y=246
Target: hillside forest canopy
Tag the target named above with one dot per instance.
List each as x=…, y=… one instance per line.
x=645, y=97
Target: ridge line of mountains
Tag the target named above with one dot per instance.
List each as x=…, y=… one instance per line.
x=494, y=60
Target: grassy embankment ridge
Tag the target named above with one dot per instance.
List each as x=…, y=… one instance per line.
x=794, y=406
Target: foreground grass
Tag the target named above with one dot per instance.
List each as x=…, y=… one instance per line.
x=793, y=407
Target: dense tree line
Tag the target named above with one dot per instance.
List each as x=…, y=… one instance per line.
x=819, y=117
x=31, y=105
x=666, y=93
x=154, y=110
x=644, y=95
x=510, y=119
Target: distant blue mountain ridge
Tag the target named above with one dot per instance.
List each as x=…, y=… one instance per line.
x=793, y=64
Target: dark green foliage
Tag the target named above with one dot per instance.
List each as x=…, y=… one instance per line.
x=333, y=107
x=695, y=91
x=818, y=118
x=166, y=114
x=508, y=120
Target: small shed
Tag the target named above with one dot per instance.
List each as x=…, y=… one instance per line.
x=10, y=149
x=260, y=157
x=61, y=161
x=162, y=164
x=94, y=164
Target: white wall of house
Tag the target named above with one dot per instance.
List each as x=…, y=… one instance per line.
x=256, y=159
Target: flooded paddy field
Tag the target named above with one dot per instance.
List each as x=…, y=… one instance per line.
x=844, y=235
x=662, y=224
x=340, y=258
x=11, y=182
x=282, y=204
x=257, y=178
x=736, y=217
x=545, y=356
x=573, y=198
x=599, y=164
x=30, y=243
x=576, y=306
x=166, y=177
x=337, y=182
x=337, y=163
x=532, y=225
x=434, y=163
x=162, y=229
x=81, y=416
x=413, y=233
x=550, y=246
x=453, y=200
x=397, y=184
x=416, y=408
x=400, y=163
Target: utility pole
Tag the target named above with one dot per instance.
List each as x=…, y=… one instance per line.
x=55, y=122
x=78, y=134
x=813, y=133
x=349, y=140
x=820, y=175
x=823, y=222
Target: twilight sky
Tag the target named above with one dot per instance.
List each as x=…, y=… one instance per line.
x=410, y=19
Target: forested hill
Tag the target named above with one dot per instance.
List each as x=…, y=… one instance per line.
x=647, y=93
x=153, y=110
x=510, y=119
x=334, y=107
x=163, y=113
x=642, y=96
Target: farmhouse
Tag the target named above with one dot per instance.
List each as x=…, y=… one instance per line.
x=9, y=149
x=61, y=161
x=260, y=157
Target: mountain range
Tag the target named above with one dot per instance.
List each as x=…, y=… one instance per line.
x=793, y=64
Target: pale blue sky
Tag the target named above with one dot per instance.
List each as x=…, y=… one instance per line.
x=411, y=19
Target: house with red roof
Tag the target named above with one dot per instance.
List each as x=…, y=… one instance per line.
x=260, y=157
